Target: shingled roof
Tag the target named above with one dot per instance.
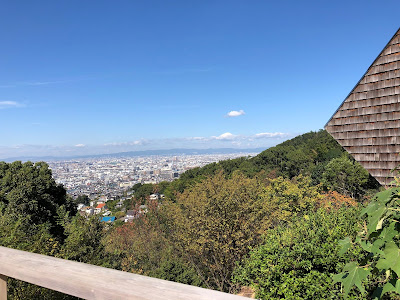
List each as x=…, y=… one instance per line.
x=367, y=123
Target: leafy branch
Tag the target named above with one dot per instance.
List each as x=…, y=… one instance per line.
x=379, y=238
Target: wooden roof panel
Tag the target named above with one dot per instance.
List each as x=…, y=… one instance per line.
x=377, y=69
x=382, y=76
x=371, y=102
x=382, y=84
x=395, y=39
x=367, y=124
x=391, y=49
x=376, y=157
x=373, y=113
x=388, y=132
x=385, y=59
x=372, y=141
x=373, y=149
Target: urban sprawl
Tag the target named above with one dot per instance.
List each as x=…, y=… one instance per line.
x=111, y=177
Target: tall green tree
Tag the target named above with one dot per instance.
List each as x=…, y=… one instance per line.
x=28, y=190
x=345, y=176
x=285, y=199
x=82, y=199
x=84, y=241
x=143, y=247
x=216, y=222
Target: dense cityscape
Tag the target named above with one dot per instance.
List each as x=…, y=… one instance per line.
x=110, y=177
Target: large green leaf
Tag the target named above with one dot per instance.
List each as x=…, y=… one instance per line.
x=386, y=195
x=352, y=275
x=373, y=248
x=389, y=232
x=391, y=286
x=374, y=218
x=345, y=245
x=391, y=259
x=369, y=209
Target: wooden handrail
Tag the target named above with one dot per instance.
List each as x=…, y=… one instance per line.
x=93, y=282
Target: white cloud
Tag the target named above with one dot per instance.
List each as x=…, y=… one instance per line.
x=270, y=135
x=137, y=142
x=9, y=104
x=80, y=145
x=43, y=82
x=235, y=113
x=132, y=143
x=197, y=138
x=225, y=136
x=28, y=83
x=36, y=83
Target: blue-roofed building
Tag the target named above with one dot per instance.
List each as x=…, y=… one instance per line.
x=107, y=219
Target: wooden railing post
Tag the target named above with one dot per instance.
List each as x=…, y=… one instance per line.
x=3, y=287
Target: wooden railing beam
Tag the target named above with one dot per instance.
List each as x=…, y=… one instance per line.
x=93, y=282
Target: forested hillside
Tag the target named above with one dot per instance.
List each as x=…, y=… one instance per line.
x=314, y=154
x=300, y=155
x=272, y=222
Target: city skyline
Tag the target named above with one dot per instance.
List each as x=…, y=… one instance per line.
x=81, y=78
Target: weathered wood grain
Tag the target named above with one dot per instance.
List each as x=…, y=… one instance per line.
x=349, y=135
x=93, y=282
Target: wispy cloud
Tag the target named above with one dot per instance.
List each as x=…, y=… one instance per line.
x=42, y=82
x=227, y=136
x=131, y=143
x=270, y=135
x=235, y=113
x=196, y=138
x=34, y=83
x=10, y=104
x=31, y=83
x=80, y=145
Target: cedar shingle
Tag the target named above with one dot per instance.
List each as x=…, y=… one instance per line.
x=367, y=123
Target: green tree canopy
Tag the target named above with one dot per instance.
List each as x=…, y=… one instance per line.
x=82, y=199
x=345, y=176
x=215, y=222
x=298, y=261
x=28, y=190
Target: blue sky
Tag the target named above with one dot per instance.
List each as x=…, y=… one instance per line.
x=82, y=77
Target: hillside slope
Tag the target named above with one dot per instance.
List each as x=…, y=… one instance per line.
x=308, y=154
x=300, y=155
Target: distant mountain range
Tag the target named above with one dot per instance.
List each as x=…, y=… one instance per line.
x=166, y=152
